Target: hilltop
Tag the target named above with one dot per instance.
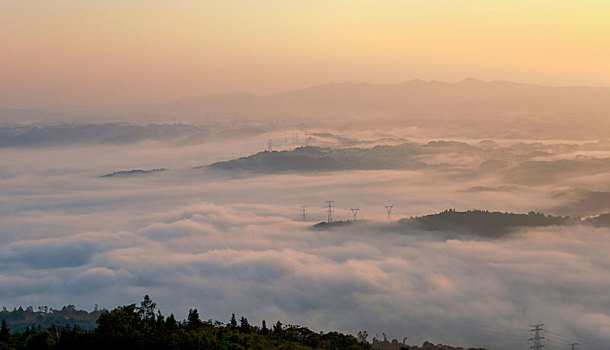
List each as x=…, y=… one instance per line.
x=19, y=319
x=312, y=158
x=144, y=327
x=484, y=222
x=134, y=172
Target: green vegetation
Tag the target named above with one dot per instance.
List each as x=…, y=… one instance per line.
x=325, y=225
x=311, y=158
x=484, y=222
x=133, y=172
x=144, y=327
x=20, y=318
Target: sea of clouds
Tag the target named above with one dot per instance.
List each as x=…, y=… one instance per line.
x=236, y=244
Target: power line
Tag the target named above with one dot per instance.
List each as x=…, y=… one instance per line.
x=569, y=340
x=354, y=212
x=509, y=336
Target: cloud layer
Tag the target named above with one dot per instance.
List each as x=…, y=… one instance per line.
x=234, y=244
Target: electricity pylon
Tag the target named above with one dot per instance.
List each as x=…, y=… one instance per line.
x=388, y=209
x=304, y=211
x=537, y=338
x=329, y=210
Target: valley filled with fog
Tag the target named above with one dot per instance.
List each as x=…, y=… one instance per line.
x=200, y=215
x=227, y=241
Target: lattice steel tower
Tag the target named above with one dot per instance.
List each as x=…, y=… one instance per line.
x=537, y=338
x=388, y=209
x=304, y=212
x=329, y=210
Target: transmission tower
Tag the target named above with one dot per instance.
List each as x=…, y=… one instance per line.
x=355, y=212
x=573, y=345
x=269, y=144
x=388, y=209
x=537, y=338
x=329, y=210
x=304, y=211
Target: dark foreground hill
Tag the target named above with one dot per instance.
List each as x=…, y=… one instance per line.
x=144, y=327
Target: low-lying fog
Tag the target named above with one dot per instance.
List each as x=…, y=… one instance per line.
x=234, y=242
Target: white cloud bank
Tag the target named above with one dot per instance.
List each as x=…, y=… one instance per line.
x=227, y=245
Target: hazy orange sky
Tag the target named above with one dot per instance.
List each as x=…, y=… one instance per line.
x=76, y=52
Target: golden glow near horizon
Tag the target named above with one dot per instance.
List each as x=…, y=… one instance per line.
x=87, y=52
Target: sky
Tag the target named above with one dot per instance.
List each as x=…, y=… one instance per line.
x=75, y=52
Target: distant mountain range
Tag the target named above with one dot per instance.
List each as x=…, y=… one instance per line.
x=360, y=99
x=41, y=135
x=63, y=134
x=475, y=106
x=523, y=110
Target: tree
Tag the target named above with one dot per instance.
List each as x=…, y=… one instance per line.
x=277, y=328
x=233, y=321
x=264, y=329
x=147, y=309
x=171, y=323
x=244, y=326
x=193, y=320
x=160, y=319
x=119, y=328
x=4, y=332
x=362, y=336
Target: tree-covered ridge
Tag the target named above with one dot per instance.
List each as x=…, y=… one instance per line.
x=602, y=220
x=311, y=158
x=484, y=221
x=134, y=172
x=108, y=133
x=325, y=225
x=145, y=327
x=19, y=318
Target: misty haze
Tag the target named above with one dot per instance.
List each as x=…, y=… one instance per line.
x=429, y=205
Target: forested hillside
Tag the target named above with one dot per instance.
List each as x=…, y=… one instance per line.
x=145, y=327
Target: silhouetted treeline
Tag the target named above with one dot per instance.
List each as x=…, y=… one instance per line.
x=19, y=318
x=133, y=172
x=145, y=327
x=484, y=222
x=109, y=133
